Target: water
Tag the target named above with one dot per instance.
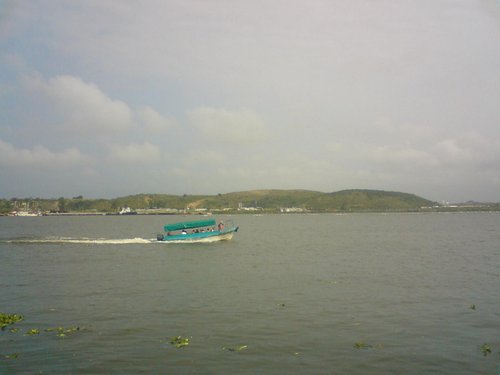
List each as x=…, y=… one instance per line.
x=290, y=294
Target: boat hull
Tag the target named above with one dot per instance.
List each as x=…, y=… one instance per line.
x=203, y=237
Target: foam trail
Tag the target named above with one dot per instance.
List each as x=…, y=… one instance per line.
x=90, y=241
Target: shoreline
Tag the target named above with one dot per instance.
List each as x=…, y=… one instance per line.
x=270, y=212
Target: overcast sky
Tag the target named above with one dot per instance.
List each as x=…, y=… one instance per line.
x=110, y=98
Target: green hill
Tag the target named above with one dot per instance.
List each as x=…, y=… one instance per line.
x=346, y=200
x=274, y=200
x=245, y=201
x=377, y=200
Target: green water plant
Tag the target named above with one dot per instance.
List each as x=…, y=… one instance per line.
x=11, y=356
x=33, y=331
x=8, y=319
x=63, y=332
x=238, y=348
x=362, y=345
x=485, y=349
x=179, y=341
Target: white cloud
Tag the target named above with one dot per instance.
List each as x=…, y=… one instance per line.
x=219, y=124
x=153, y=122
x=134, y=153
x=469, y=149
x=404, y=131
x=82, y=107
x=40, y=156
x=452, y=152
x=205, y=158
x=403, y=156
x=390, y=144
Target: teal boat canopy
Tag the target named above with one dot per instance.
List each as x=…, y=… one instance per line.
x=190, y=225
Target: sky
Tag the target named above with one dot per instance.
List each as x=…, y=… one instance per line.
x=110, y=98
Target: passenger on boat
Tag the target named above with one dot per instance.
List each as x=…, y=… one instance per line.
x=221, y=226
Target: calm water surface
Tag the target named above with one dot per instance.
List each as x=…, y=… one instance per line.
x=298, y=291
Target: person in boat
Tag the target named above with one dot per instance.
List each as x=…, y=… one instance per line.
x=221, y=226
x=184, y=231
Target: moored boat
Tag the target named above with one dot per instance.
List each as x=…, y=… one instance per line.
x=25, y=213
x=198, y=231
x=127, y=211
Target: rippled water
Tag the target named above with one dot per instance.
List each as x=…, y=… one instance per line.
x=304, y=294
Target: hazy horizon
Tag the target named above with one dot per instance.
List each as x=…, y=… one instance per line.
x=114, y=98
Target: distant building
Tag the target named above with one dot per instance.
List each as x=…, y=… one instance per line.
x=292, y=209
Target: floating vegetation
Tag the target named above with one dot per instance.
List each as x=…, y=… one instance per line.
x=63, y=332
x=485, y=349
x=179, y=341
x=473, y=307
x=362, y=345
x=11, y=356
x=8, y=319
x=238, y=348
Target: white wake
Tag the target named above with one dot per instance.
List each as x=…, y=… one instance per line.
x=90, y=241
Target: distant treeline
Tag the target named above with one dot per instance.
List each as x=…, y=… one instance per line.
x=247, y=201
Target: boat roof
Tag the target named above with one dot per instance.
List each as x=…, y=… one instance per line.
x=189, y=225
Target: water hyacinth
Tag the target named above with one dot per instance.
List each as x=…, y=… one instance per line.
x=179, y=342
x=362, y=345
x=11, y=356
x=8, y=319
x=63, y=332
x=238, y=348
x=485, y=349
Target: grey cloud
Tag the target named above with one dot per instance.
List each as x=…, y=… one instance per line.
x=134, y=153
x=229, y=126
x=39, y=156
x=83, y=107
